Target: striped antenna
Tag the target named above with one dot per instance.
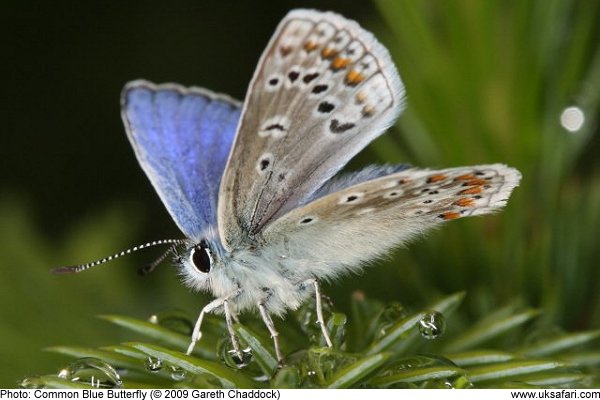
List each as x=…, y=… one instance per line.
x=73, y=269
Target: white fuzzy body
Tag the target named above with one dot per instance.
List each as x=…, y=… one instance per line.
x=349, y=227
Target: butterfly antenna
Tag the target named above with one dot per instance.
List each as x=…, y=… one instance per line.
x=73, y=269
x=148, y=268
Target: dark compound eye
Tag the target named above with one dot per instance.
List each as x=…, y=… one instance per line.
x=201, y=258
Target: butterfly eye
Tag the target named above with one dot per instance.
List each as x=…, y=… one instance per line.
x=201, y=258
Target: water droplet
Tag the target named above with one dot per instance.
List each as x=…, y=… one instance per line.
x=323, y=362
x=92, y=371
x=393, y=312
x=153, y=364
x=177, y=373
x=33, y=382
x=462, y=382
x=390, y=315
x=432, y=325
x=307, y=317
x=231, y=357
x=438, y=384
x=177, y=321
x=453, y=382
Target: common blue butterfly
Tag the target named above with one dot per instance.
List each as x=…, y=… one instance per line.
x=256, y=187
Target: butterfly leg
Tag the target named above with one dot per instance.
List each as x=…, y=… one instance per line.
x=320, y=319
x=213, y=305
x=228, y=319
x=196, y=333
x=271, y=327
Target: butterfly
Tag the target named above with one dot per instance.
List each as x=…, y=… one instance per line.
x=256, y=187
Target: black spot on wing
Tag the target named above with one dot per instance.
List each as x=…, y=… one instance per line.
x=309, y=77
x=293, y=76
x=319, y=89
x=325, y=107
x=278, y=127
x=336, y=127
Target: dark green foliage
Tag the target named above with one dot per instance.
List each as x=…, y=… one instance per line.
x=394, y=354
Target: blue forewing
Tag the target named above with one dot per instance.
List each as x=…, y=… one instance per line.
x=182, y=138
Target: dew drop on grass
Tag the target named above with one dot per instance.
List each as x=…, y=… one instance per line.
x=153, y=364
x=178, y=374
x=33, y=382
x=231, y=357
x=390, y=315
x=323, y=362
x=92, y=371
x=460, y=381
x=307, y=317
x=432, y=325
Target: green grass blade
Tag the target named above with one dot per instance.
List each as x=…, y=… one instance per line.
x=448, y=304
x=489, y=329
x=227, y=377
x=114, y=359
x=412, y=375
x=560, y=379
x=127, y=351
x=122, y=357
x=583, y=359
x=511, y=370
x=399, y=336
x=395, y=334
x=558, y=344
x=353, y=373
x=162, y=334
x=479, y=357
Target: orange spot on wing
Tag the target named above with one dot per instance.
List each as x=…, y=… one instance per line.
x=310, y=46
x=465, y=202
x=474, y=182
x=368, y=110
x=436, y=178
x=328, y=52
x=285, y=50
x=339, y=63
x=473, y=190
x=465, y=177
x=361, y=97
x=449, y=215
x=354, y=77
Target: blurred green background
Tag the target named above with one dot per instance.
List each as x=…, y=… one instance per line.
x=487, y=82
